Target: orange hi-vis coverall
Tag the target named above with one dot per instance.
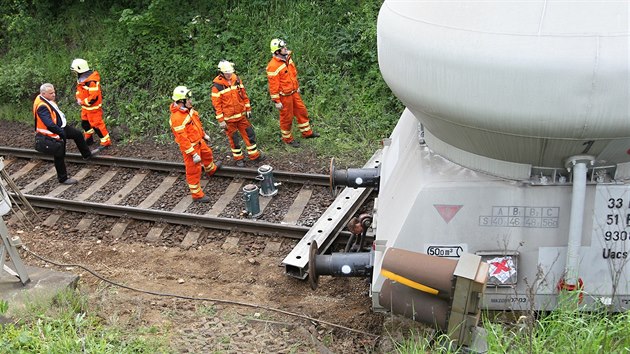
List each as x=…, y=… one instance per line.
x=90, y=97
x=231, y=103
x=284, y=88
x=189, y=133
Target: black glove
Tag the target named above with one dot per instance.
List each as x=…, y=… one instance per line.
x=92, y=101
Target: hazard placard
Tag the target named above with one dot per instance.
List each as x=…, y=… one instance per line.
x=502, y=271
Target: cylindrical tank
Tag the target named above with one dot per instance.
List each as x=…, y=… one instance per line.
x=530, y=82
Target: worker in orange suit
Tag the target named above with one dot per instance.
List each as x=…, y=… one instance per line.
x=191, y=138
x=285, y=93
x=232, y=108
x=90, y=97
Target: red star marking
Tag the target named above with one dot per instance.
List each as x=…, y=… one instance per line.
x=501, y=267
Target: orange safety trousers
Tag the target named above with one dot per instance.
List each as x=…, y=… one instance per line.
x=193, y=170
x=243, y=127
x=95, y=119
x=292, y=106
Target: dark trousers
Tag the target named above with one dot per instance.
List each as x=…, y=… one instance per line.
x=60, y=163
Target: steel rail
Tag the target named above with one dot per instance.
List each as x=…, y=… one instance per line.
x=168, y=166
x=168, y=217
x=217, y=223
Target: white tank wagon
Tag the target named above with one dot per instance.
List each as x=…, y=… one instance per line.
x=529, y=82
x=514, y=150
x=515, y=145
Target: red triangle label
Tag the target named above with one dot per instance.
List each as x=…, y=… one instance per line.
x=447, y=212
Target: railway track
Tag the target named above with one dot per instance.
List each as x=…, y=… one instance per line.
x=156, y=191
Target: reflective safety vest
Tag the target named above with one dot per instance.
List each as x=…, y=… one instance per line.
x=229, y=98
x=282, y=77
x=89, y=92
x=40, y=127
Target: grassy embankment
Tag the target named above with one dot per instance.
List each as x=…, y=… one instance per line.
x=69, y=326
x=568, y=329
x=144, y=49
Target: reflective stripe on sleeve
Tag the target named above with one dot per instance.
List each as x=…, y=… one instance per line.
x=92, y=108
x=277, y=71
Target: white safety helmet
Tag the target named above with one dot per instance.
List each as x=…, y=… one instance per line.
x=181, y=93
x=226, y=67
x=79, y=66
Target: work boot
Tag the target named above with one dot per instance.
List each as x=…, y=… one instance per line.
x=294, y=143
x=89, y=140
x=314, y=135
x=218, y=164
x=70, y=181
x=93, y=153
x=240, y=163
x=204, y=199
x=260, y=157
x=97, y=151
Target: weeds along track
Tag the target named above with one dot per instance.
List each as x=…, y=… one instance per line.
x=156, y=192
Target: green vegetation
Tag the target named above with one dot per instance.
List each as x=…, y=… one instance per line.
x=143, y=49
x=65, y=327
x=565, y=330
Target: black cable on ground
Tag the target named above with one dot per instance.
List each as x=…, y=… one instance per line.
x=185, y=297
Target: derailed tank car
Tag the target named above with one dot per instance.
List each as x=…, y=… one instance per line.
x=514, y=145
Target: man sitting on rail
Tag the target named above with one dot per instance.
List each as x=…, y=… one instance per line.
x=52, y=131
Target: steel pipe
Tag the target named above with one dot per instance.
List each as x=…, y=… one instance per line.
x=339, y=264
x=579, y=167
x=354, y=177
